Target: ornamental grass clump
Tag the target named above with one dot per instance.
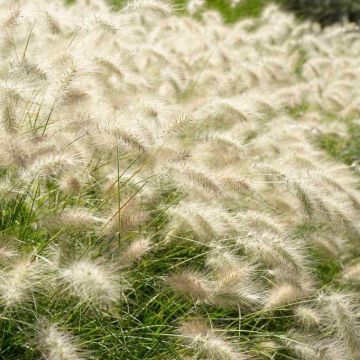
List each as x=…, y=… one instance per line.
x=164, y=194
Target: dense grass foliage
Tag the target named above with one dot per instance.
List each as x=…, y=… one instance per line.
x=174, y=187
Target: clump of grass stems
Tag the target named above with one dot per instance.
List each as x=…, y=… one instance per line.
x=164, y=194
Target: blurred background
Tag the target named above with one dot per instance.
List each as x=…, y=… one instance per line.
x=325, y=12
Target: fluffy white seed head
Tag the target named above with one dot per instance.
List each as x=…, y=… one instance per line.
x=192, y=284
x=92, y=282
x=283, y=295
x=205, y=341
x=307, y=316
x=352, y=273
x=136, y=250
x=74, y=219
x=56, y=344
x=20, y=280
x=341, y=312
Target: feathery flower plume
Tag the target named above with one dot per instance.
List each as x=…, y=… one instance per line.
x=195, y=178
x=136, y=250
x=10, y=96
x=130, y=216
x=158, y=7
x=53, y=23
x=8, y=249
x=206, y=222
x=49, y=165
x=92, y=282
x=275, y=251
x=205, y=341
x=11, y=18
x=235, y=286
x=74, y=219
x=310, y=349
x=352, y=273
x=191, y=283
x=55, y=344
x=19, y=281
x=222, y=259
x=284, y=294
x=71, y=183
x=342, y=311
x=307, y=316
